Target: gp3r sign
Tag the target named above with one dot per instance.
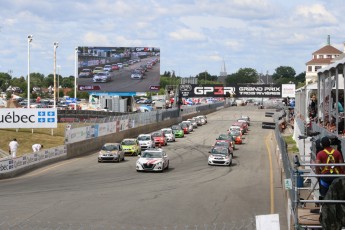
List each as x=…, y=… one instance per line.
x=28, y=118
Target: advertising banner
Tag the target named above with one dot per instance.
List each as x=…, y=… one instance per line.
x=235, y=90
x=28, y=118
x=9, y=164
x=288, y=90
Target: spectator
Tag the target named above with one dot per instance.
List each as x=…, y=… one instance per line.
x=327, y=156
x=13, y=147
x=36, y=147
x=313, y=107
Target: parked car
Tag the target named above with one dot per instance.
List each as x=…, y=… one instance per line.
x=159, y=138
x=220, y=156
x=85, y=73
x=153, y=160
x=111, y=152
x=101, y=77
x=146, y=141
x=131, y=146
x=178, y=131
x=168, y=132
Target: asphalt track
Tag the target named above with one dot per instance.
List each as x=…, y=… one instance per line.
x=83, y=194
x=121, y=79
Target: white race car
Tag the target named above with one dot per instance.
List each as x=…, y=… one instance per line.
x=169, y=134
x=146, y=141
x=220, y=156
x=153, y=160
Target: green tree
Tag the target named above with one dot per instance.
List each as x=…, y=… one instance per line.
x=36, y=80
x=5, y=80
x=283, y=72
x=243, y=75
x=67, y=82
x=301, y=77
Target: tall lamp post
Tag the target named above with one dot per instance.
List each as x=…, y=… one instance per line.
x=75, y=76
x=56, y=45
x=29, y=41
x=58, y=82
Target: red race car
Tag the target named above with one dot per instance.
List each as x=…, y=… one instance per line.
x=159, y=138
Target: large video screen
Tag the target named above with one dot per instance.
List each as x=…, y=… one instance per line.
x=118, y=69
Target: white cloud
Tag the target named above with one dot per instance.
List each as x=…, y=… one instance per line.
x=315, y=14
x=186, y=35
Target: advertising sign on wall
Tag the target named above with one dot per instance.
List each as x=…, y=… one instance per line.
x=288, y=90
x=28, y=118
x=235, y=90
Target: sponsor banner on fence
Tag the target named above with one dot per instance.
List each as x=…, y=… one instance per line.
x=9, y=164
x=88, y=132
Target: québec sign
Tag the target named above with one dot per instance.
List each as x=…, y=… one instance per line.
x=28, y=118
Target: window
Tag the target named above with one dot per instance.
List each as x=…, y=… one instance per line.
x=321, y=56
x=329, y=56
x=317, y=68
x=310, y=68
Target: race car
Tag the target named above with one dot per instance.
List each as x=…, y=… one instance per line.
x=153, y=160
x=237, y=136
x=168, y=132
x=227, y=137
x=177, y=130
x=130, y=146
x=220, y=156
x=146, y=141
x=159, y=138
x=111, y=152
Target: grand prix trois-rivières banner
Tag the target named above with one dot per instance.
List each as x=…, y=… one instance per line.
x=235, y=90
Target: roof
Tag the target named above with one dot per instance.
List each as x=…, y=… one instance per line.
x=324, y=61
x=328, y=49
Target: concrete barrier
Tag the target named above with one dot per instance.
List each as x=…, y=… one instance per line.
x=11, y=167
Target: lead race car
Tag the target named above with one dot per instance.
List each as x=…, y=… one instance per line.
x=153, y=160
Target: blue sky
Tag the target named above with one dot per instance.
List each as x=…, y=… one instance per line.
x=193, y=36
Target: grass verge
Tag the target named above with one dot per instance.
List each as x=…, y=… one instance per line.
x=27, y=137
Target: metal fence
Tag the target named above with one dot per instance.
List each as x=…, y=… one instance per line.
x=140, y=119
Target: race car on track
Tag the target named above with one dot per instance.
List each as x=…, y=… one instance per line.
x=237, y=136
x=146, y=141
x=227, y=137
x=168, y=132
x=184, y=127
x=224, y=144
x=153, y=160
x=111, y=152
x=159, y=138
x=220, y=156
x=131, y=146
x=178, y=131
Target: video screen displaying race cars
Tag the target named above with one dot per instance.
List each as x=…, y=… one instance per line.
x=118, y=69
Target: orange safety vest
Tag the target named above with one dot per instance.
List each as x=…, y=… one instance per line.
x=330, y=159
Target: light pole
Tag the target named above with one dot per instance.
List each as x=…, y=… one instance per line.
x=56, y=45
x=58, y=82
x=29, y=41
x=75, y=77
